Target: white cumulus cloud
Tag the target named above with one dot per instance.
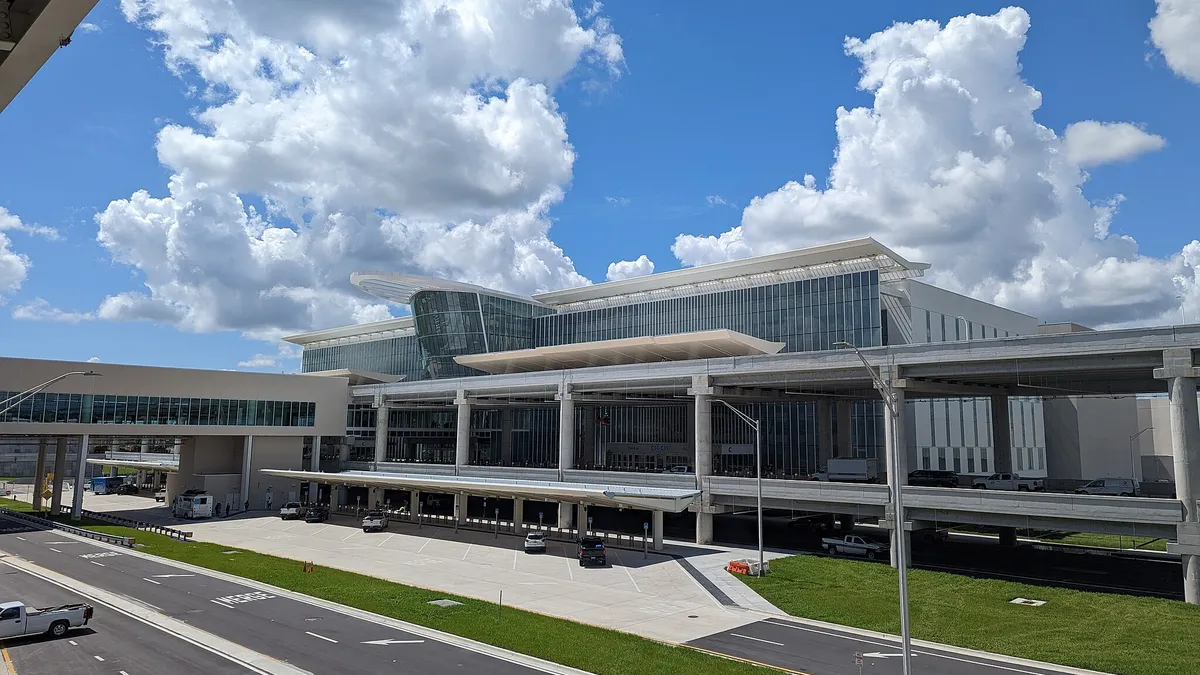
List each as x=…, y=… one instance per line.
x=14, y=266
x=1091, y=143
x=41, y=310
x=1175, y=30
x=949, y=166
x=628, y=269
x=331, y=138
x=617, y=201
x=94, y=359
x=718, y=200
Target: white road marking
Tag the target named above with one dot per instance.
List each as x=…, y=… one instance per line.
x=350, y=535
x=468, y=551
x=515, y=559
x=323, y=528
x=98, y=658
x=627, y=572
x=242, y=598
x=222, y=604
x=390, y=641
x=57, y=543
x=172, y=576
x=291, y=526
x=321, y=637
x=96, y=563
x=55, y=550
x=22, y=538
x=156, y=583
x=750, y=637
x=424, y=545
x=569, y=572
x=73, y=643
x=539, y=583
x=121, y=672
x=389, y=537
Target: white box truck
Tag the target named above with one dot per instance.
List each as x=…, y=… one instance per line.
x=193, y=504
x=850, y=471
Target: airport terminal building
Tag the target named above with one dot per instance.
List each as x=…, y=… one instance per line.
x=858, y=292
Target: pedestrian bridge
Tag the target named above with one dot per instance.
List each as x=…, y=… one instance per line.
x=150, y=461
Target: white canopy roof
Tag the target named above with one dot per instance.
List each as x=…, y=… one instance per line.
x=169, y=467
x=708, y=344
x=657, y=499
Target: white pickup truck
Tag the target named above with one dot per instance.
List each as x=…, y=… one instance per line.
x=854, y=544
x=1009, y=481
x=375, y=521
x=17, y=620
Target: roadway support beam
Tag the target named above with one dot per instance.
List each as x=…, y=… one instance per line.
x=656, y=529
x=702, y=392
x=314, y=464
x=1001, y=434
x=518, y=514
x=80, y=471
x=462, y=433
x=39, y=476
x=1181, y=374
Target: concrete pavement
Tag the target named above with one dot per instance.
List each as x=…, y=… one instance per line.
x=309, y=636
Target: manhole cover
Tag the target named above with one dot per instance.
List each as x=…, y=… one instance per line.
x=444, y=603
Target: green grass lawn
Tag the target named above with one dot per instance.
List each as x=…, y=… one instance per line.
x=1109, y=633
x=1107, y=541
x=596, y=650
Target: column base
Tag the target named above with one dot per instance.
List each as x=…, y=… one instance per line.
x=704, y=528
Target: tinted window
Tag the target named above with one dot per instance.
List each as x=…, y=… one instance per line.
x=10, y=613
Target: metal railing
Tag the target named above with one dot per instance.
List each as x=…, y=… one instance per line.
x=178, y=535
x=44, y=524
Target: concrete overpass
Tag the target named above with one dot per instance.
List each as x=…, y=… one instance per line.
x=30, y=32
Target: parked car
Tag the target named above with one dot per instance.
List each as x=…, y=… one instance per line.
x=1122, y=487
x=535, y=542
x=1009, y=481
x=318, y=513
x=592, y=552
x=854, y=544
x=17, y=620
x=128, y=489
x=292, y=511
x=375, y=521
x=160, y=496
x=933, y=478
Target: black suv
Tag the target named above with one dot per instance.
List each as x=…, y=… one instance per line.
x=317, y=513
x=933, y=478
x=128, y=489
x=591, y=552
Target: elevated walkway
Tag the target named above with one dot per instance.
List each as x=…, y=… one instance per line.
x=150, y=461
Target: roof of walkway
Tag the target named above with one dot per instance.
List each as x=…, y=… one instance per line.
x=626, y=496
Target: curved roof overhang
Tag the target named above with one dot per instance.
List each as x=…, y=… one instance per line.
x=400, y=288
x=619, y=496
x=149, y=466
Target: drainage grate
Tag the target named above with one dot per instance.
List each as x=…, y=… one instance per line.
x=444, y=603
x=1027, y=602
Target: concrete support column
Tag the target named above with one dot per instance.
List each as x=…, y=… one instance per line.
x=414, y=503
x=566, y=515
x=656, y=530
x=895, y=443
x=1181, y=375
x=825, y=448
x=566, y=431
x=1001, y=435
x=584, y=528
x=145, y=445
x=845, y=522
x=80, y=472
x=460, y=507
x=381, y=433
x=39, y=476
x=112, y=472
x=845, y=439
x=518, y=514
x=247, y=458
x=60, y=470
x=506, y=436
x=702, y=392
x=314, y=464
x=462, y=432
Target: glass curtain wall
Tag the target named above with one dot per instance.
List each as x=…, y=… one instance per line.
x=421, y=436
x=54, y=408
x=393, y=356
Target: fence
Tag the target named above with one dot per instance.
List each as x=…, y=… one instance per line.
x=43, y=524
x=171, y=532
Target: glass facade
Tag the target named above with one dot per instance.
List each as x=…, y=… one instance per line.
x=452, y=323
x=51, y=408
x=394, y=356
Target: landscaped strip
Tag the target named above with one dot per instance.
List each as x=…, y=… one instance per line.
x=1106, y=632
x=596, y=650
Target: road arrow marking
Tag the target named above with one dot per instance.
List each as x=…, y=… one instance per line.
x=390, y=641
x=881, y=655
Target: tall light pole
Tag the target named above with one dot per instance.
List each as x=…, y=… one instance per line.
x=14, y=401
x=754, y=424
x=1182, y=314
x=1132, y=468
x=889, y=399
x=966, y=324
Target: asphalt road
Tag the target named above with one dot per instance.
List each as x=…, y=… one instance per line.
x=112, y=643
x=818, y=651
x=307, y=636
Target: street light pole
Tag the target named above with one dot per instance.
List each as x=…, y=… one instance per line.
x=1132, y=468
x=14, y=401
x=754, y=424
x=889, y=400
x=966, y=324
x=1182, y=315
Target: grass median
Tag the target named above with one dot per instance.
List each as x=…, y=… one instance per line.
x=1110, y=633
x=596, y=650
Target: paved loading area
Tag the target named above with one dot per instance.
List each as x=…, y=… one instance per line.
x=652, y=596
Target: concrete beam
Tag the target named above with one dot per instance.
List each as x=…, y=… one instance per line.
x=916, y=386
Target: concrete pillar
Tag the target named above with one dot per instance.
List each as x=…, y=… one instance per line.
x=80, y=476
x=895, y=443
x=825, y=448
x=1008, y=536
x=314, y=464
x=247, y=458
x=845, y=425
x=566, y=431
x=845, y=522
x=460, y=507
x=506, y=436
x=702, y=392
x=656, y=529
x=566, y=515
x=414, y=501
x=1001, y=435
x=39, y=476
x=112, y=472
x=381, y=434
x=60, y=470
x=462, y=432
x=1181, y=374
x=145, y=445
x=704, y=527
x=518, y=514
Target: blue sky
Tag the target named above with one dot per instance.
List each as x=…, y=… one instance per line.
x=711, y=99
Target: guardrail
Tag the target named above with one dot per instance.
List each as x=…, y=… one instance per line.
x=178, y=535
x=45, y=524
